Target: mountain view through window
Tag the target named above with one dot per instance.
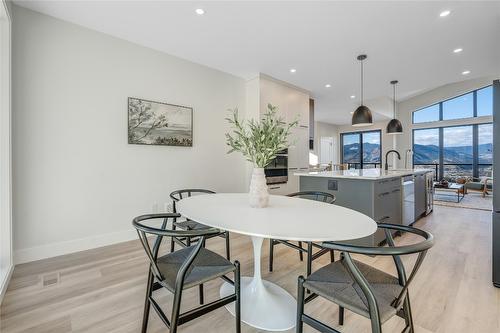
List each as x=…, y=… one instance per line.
x=362, y=149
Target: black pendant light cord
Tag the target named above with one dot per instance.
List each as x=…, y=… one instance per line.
x=361, y=83
x=394, y=101
x=361, y=58
x=394, y=82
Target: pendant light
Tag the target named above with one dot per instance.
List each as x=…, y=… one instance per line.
x=394, y=126
x=362, y=116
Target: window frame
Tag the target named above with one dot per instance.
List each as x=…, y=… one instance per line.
x=360, y=134
x=440, y=104
x=475, y=153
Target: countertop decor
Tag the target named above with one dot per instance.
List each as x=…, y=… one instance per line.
x=259, y=142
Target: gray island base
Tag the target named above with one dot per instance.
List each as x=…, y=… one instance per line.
x=383, y=195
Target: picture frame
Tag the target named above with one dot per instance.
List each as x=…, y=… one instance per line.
x=159, y=123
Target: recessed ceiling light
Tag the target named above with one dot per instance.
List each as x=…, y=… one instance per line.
x=444, y=13
x=199, y=11
x=293, y=70
x=328, y=85
x=465, y=72
x=457, y=50
x=353, y=97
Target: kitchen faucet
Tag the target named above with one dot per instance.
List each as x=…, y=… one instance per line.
x=387, y=154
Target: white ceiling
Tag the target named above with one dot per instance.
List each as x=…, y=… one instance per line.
x=404, y=40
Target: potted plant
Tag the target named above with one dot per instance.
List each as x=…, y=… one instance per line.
x=259, y=142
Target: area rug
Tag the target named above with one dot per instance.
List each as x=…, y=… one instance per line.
x=471, y=200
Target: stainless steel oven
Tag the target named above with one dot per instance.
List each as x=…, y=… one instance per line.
x=277, y=171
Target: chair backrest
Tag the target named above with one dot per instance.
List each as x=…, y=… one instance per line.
x=392, y=250
x=186, y=193
x=314, y=195
x=143, y=230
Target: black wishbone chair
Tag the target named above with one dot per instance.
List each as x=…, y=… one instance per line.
x=190, y=224
x=186, y=268
x=312, y=195
x=361, y=288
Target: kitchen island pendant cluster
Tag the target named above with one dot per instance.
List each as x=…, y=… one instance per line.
x=362, y=116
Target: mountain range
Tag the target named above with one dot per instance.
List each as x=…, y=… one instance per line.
x=423, y=153
x=371, y=153
x=462, y=154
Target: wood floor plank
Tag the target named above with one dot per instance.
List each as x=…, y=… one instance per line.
x=102, y=290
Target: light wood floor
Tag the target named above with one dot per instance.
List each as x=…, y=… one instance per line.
x=102, y=290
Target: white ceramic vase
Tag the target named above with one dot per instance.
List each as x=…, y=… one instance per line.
x=258, y=195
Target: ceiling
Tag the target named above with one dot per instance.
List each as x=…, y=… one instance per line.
x=404, y=40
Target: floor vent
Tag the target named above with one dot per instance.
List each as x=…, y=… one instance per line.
x=50, y=279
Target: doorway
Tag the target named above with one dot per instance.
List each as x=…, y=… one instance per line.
x=326, y=152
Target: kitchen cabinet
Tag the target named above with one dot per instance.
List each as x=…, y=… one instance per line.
x=297, y=107
x=292, y=104
x=298, y=152
x=378, y=198
x=274, y=94
x=278, y=189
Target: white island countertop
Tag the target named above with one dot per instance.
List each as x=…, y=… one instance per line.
x=367, y=174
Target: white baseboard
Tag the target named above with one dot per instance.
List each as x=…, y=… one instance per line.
x=56, y=249
x=5, y=283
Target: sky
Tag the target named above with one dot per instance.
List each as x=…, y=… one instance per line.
x=176, y=115
x=454, y=136
x=371, y=137
x=459, y=107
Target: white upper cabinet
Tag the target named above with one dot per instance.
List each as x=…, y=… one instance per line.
x=303, y=148
x=293, y=104
x=274, y=94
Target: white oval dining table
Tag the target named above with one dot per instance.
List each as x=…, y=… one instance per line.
x=265, y=305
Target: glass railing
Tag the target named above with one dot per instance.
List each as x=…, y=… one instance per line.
x=454, y=171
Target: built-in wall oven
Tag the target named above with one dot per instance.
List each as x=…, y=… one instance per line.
x=277, y=171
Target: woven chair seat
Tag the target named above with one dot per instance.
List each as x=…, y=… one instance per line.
x=335, y=283
x=206, y=266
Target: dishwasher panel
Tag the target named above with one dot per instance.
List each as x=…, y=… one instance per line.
x=408, y=197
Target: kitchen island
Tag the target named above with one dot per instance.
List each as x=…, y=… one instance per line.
x=394, y=196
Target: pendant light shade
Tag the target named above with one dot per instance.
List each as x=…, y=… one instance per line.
x=362, y=116
x=394, y=126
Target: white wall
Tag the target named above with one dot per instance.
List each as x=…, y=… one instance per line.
x=77, y=183
x=405, y=109
x=6, y=259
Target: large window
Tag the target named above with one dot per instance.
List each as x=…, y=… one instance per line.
x=362, y=149
x=464, y=151
x=455, y=152
x=459, y=107
x=426, y=149
x=485, y=101
x=477, y=103
x=427, y=114
x=485, y=150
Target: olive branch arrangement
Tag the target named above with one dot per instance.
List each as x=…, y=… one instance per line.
x=259, y=141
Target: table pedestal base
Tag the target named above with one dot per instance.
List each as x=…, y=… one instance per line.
x=264, y=305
